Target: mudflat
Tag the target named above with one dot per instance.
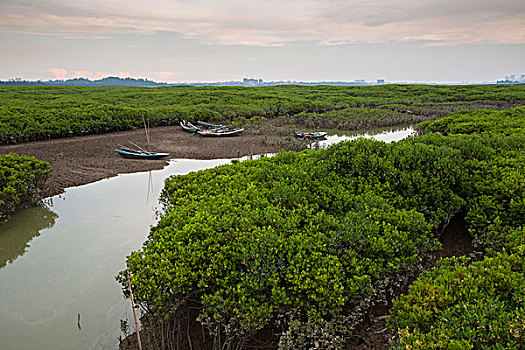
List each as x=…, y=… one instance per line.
x=81, y=160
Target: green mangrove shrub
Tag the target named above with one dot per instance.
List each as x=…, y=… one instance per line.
x=465, y=306
x=22, y=181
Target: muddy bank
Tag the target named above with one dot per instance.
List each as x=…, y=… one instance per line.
x=82, y=160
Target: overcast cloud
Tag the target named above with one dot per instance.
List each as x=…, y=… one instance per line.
x=270, y=23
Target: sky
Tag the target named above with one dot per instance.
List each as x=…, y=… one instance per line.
x=296, y=40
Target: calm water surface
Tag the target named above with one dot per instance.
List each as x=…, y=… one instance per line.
x=387, y=134
x=59, y=260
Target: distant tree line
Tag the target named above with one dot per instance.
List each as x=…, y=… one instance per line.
x=109, y=81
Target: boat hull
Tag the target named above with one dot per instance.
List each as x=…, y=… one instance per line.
x=210, y=125
x=216, y=131
x=131, y=154
x=219, y=133
x=189, y=127
x=310, y=135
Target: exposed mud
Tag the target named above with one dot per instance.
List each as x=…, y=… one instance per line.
x=81, y=160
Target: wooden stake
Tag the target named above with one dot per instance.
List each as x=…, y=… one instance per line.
x=134, y=314
x=145, y=127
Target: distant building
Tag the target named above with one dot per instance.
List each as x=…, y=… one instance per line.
x=513, y=79
x=380, y=81
x=251, y=82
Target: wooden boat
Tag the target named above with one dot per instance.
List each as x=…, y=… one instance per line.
x=214, y=130
x=225, y=131
x=125, y=152
x=310, y=135
x=210, y=125
x=189, y=127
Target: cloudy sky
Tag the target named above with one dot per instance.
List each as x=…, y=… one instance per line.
x=308, y=40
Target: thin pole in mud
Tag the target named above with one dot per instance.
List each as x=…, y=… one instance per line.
x=145, y=126
x=134, y=314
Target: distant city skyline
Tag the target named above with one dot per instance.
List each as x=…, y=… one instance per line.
x=130, y=81
x=298, y=40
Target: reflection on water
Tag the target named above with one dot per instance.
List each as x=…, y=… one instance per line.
x=386, y=134
x=20, y=229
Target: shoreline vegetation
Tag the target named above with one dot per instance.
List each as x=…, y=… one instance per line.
x=299, y=250
x=22, y=181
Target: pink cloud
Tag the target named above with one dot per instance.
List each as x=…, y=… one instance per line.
x=58, y=73
x=62, y=73
x=166, y=75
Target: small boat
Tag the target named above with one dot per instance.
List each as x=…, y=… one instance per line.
x=225, y=131
x=210, y=125
x=189, y=127
x=310, y=135
x=213, y=130
x=125, y=152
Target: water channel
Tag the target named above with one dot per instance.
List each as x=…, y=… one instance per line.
x=59, y=260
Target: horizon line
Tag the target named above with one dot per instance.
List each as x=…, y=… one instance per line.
x=257, y=81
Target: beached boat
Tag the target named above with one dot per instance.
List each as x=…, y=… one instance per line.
x=310, y=135
x=125, y=152
x=225, y=131
x=189, y=127
x=213, y=130
x=210, y=125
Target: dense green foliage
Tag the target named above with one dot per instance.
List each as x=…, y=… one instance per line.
x=485, y=122
x=481, y=305
x=36, y=113
x=493, y=146
x=21, y=181
x=459, y=306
